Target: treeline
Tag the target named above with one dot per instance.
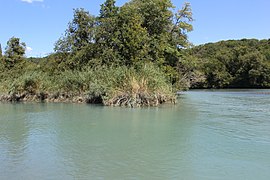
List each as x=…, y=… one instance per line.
x=134, y=55
x=126, y=55
x=232, y=64
x=138, y=32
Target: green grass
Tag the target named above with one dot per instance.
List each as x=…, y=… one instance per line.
x=143, y=85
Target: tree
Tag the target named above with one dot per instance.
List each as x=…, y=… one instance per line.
x=14, y=51
x=15, y=48
x=181, y=26
x=250, y=74
x=156, y=19
x=157, y=15
x=133, y=38
x=139, y=30
x=167, y=30
x=1, y=51
x=80, y=32
x=79, y=36
x=234, y=63
x=177, y=41
x=108, y=9
x=107, y=34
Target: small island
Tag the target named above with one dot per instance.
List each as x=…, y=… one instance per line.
x=142, y=89
x=134, y=55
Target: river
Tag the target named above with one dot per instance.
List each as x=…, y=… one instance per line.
x=221, y=134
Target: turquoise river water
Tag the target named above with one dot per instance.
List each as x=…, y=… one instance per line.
x=222, y=134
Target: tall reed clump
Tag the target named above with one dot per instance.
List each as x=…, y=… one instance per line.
x=29, y=82
x=141, y=85
x=144, y=85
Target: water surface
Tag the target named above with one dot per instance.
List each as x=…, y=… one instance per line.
x=208, y=135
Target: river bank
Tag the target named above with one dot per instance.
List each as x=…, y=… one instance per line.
x=111, y=86
x=44, y=97
x=127, y=100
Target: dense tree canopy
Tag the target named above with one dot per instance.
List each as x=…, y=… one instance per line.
x=139, y=31
x=234, y=63
x=14, y=51
x=79, y=34
x=126, y=55
x=15, y=48
x=138, y=53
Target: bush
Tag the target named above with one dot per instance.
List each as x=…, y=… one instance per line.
x=141, y=85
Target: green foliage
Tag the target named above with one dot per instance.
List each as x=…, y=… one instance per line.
x=108, y=9
x=216, y=74
x=190, y=72
x=143, y=85
x=15, y=48
x=182, y=26
x=134, y=55
x=79, y=34
x=127, y=55
x=107, y=41
x=133, y=46
x=14, y=52
x=124, y=86
x=1, y=51
x=234, y=63
x=138, y=31
x=156, y=14
x=31, y=81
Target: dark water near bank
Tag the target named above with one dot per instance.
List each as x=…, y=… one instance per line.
x=208, y=135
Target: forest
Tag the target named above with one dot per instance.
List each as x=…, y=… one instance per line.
x=241, y=63
x=134, y=55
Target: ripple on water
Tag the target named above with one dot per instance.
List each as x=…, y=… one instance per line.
x=208, y=135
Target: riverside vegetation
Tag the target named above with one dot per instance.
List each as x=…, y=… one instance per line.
x=232, y=64
x=134, y=55
x=126, y=56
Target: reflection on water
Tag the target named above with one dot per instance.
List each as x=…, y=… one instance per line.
x=208, y=135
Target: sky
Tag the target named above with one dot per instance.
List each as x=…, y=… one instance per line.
x=39, y=23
